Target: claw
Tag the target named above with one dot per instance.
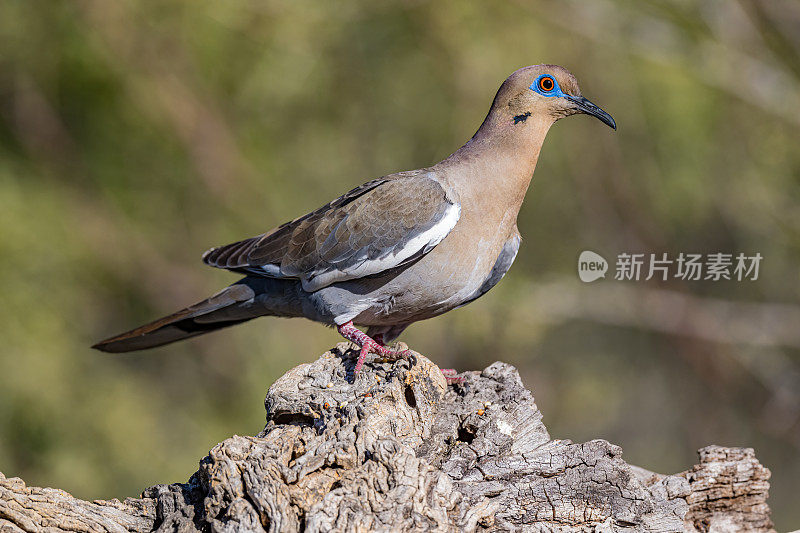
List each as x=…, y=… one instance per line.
x=450, y=376
x=375, y=345
x=368, y=344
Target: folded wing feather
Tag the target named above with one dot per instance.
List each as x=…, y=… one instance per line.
x=373, y=228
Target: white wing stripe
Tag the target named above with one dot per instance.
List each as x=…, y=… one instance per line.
x=424, y=241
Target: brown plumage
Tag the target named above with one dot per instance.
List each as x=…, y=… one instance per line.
x=398, y=249
x=331, y=243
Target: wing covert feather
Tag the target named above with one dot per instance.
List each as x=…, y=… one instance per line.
x=375, y=227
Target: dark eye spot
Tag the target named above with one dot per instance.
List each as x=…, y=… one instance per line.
x=522, y=118
x=546, y=84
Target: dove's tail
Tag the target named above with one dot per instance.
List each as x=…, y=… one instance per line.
x=233, y=305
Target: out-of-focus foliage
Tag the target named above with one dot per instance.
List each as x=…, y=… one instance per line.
x=134, y=135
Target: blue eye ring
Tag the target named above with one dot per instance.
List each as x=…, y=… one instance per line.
x=546, y=85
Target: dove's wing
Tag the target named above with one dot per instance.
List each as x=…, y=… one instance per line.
x=378, y=226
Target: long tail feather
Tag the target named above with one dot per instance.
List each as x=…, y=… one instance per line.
x=224, y=309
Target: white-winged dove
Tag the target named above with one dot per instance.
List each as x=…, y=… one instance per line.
x=397, y=249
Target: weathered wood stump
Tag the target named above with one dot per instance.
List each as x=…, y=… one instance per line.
x=397, y=449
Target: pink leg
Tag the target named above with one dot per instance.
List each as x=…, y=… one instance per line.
x=367, y=344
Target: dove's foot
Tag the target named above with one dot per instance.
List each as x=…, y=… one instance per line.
x=375, y=345
x=368, y=344
x=450, y=376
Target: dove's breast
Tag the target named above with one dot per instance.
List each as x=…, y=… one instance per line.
x=457, y=271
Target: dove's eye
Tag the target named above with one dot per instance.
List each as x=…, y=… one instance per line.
x=546, y=84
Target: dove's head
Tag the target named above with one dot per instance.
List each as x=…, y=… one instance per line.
x=545, y=92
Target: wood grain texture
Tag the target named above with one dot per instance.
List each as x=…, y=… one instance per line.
x=398, y=450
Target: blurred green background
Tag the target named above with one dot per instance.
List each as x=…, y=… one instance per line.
x=135, y=135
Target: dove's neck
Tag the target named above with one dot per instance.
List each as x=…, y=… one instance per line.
x=494, y=168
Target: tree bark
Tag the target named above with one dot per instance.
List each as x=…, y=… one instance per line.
x=397, y=449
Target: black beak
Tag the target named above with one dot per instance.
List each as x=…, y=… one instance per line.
x=585, y=106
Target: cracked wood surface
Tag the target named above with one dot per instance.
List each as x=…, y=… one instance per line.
x=399, y=450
